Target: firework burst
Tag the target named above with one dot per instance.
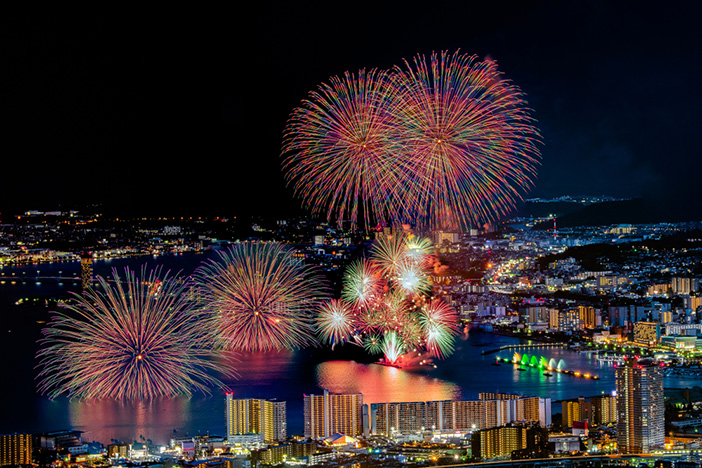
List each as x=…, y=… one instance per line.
x=438, y=320
x=411, y=278
x=471, y=140
x=133, y=337
x=259, y=298
x=392, y=347
x=335, y=322
x=340, y=154
x=373, y=344
x=440, y=142
x=389, y=252
x=419, y=250
x=363, y=285
x=385, y=304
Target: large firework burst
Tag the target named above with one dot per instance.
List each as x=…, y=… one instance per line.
x=469, y=135
x=132, y=337
x=259, y=297
x=443, y=142
x=340, y=154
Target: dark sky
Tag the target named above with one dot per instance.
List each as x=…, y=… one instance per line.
x=183, y=110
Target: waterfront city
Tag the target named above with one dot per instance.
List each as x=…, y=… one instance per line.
x=351, y=235
x=549, y=318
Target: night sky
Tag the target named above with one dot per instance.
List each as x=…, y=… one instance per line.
x=178, y=111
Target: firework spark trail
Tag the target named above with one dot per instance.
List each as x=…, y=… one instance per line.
x=137, y=338
x=259, y=297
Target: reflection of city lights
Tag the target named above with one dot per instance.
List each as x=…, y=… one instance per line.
x=382, y=383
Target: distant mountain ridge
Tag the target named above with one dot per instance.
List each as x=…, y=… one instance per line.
x=634, y=211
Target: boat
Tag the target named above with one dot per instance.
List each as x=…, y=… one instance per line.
x=548, y=374
x=520, y=369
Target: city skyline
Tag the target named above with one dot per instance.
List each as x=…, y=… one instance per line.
x=663, y=323
x=141, y=114
x=145, y=110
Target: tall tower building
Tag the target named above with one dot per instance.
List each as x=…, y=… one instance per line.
x=253, y=416
x=640, y=410
x=328, y=414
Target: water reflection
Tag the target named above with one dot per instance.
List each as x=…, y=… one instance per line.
x=128, y=421
x=264, y=368
x=382, y=383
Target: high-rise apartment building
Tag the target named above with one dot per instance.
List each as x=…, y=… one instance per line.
x=647, y=333
x=685, y=285
x=576, y=410
x=15, y=449
x=499, y=441
x=535, y=314
x=491, y=410
x=640, y=410
x=691, y=302
x=589, y=316
x=604, y=409
x=328, y=414
x=618, y=316
x=569, y=320
x=598, y=410
x=254, y=416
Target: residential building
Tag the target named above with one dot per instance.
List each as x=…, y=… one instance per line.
x=328, y=414
x=255, y=416
x=640, y=408
x=15, y=449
